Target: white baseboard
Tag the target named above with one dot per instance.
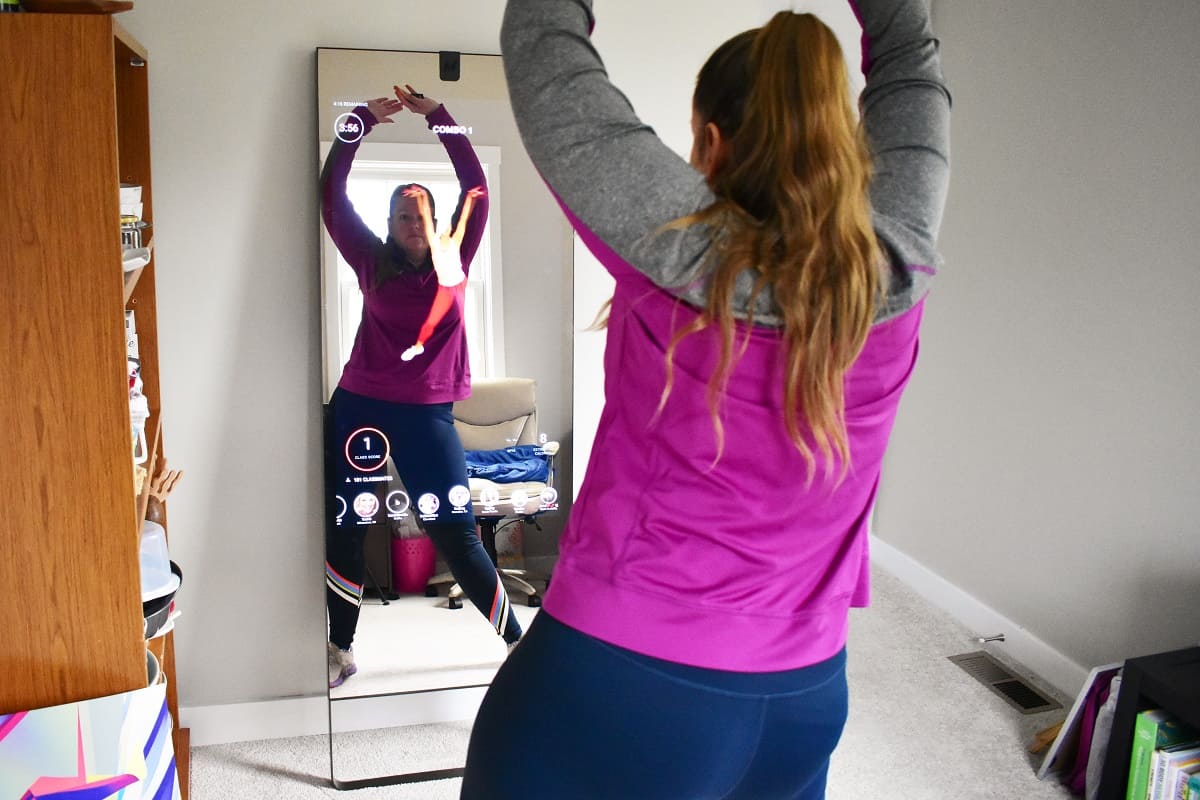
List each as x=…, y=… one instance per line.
x=394, y=711
x=309, y=716
x=1020, y=646
x=244, y=722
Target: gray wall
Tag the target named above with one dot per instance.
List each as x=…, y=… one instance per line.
x=1046, y=455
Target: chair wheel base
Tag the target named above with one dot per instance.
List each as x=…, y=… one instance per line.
x=431, y=591
x=534, y=601
x=455, y=602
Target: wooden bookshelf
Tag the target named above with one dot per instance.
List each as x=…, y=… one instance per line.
x=75, y=112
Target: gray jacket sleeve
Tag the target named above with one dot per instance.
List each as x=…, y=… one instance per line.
x=906, y=113
x=621, y=183
x=607, y=167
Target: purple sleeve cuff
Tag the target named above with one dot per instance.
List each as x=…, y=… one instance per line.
x=439, y=116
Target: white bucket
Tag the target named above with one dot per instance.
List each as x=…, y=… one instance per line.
x=157, y=578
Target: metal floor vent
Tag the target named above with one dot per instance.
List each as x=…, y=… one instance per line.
x=992, y=674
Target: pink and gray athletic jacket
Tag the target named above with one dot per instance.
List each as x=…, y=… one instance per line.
x=738, y=566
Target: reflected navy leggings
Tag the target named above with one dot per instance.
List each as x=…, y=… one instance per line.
x=428, y=456
x=571, y=717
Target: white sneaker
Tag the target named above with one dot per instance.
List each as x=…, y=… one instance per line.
x=412, y=352
x=341, y=665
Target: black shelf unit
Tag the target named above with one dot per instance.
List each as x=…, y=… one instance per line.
x=1170, y=681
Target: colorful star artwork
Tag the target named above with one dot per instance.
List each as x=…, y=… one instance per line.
x=112, y=747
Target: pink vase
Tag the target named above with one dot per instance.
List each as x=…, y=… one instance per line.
x=413, y=562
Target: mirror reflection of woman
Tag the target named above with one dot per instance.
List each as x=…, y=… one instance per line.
x=409, y=399
x=762, y=330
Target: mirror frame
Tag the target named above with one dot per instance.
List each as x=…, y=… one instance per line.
x=329, y=505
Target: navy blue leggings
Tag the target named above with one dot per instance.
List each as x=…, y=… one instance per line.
x=428, y=456
x=569, y=716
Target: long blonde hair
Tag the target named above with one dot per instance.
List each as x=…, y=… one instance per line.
x=793, y=209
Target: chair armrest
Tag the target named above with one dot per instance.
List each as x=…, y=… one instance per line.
x=550, y=448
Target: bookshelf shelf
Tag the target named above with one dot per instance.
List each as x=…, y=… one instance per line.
x=131, y=279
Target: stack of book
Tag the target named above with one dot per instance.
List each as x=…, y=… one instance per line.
x=1165, y=764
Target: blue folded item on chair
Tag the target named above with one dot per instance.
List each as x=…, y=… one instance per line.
x=524, y=462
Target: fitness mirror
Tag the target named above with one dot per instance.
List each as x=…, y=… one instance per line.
x=422, y=662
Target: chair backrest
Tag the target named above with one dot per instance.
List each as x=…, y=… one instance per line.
x=501, y=412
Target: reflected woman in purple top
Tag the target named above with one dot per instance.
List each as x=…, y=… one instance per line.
x=388, y=406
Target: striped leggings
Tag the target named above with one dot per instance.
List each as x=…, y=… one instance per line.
x=362, y=433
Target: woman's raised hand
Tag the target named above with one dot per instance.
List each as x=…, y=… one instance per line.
x=418, y=194
x=414, y=101
x=383, y=108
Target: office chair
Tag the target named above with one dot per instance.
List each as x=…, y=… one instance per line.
x=498, y=422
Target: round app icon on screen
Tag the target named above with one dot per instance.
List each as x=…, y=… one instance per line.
x=459, y=496
x=397, y=502
x=428, y=504
x=366, y=505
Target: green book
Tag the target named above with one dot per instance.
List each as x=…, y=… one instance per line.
x=1153, y=729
